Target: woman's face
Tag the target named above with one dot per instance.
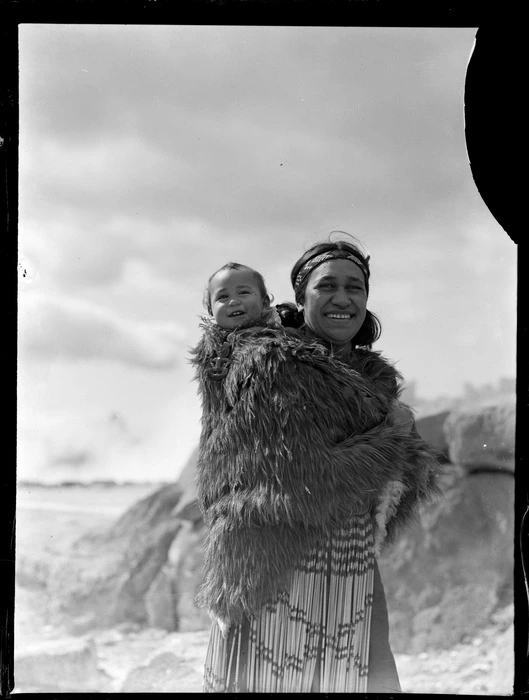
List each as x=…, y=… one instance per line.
x=335, y=301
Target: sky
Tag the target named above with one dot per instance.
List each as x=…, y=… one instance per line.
x=151, y=155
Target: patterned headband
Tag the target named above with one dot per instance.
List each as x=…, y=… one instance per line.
x=331, y=255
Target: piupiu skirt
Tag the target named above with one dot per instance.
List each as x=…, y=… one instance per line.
x=327, y=633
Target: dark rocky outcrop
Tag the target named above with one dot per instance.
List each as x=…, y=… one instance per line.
x=452, y=569
x=161, y=601
x=482, y=436
x=106, y=578
x=143, y=569
x=431, y=429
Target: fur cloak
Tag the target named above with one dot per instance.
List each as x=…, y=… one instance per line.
x=293, y=443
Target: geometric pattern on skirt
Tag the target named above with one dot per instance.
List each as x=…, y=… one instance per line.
x=313, y=637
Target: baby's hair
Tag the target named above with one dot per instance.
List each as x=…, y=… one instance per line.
x=261, y=285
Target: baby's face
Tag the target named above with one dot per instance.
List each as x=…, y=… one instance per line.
x=236, y=298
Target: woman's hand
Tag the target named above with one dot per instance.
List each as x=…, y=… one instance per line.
x=224, y=625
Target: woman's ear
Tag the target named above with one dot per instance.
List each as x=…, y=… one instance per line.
x=266, y=302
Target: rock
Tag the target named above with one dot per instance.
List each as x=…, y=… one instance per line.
x=107, y=575
x=64, y=665
x=121, y=573
x=430, y=428
x=186, y=480
x=466, y=669
x=451, y=571
x=165, y=673
x=82, y=623
x=188, y=510
x=160, y=602
x=153, y=509
x=482, y=436
x=463, y=609
x=185, y=560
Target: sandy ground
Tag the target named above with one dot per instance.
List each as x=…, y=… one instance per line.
x=130, y=659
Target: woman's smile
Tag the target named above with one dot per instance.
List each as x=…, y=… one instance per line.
x=340, y=316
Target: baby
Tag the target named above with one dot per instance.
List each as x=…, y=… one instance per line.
x=236, y=296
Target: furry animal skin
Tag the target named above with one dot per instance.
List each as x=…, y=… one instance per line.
x=293, y=443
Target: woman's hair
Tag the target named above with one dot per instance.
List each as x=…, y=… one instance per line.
x=290, y=316
x=261, y=285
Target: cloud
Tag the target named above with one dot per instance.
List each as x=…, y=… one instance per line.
x=240, y=127
x=175, y=144
x=52, y=325
x=397, y=298
x=68, y=251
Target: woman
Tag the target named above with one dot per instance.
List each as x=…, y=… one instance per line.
x=305, y=465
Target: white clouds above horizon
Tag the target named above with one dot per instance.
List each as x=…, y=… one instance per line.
x=250, y=126
x=56, y=326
